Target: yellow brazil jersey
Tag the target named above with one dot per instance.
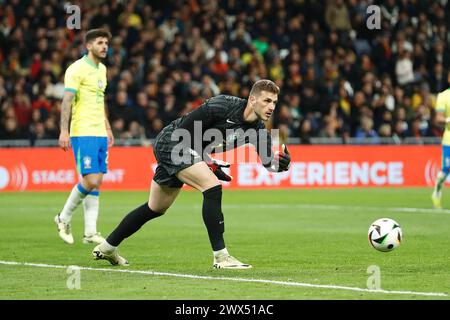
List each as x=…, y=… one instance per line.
x=443, y=105
x=88, y=82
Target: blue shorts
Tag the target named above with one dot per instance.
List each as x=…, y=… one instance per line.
x=91, y=154
x=445, y=159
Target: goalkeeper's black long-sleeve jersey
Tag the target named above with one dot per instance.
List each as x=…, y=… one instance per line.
x=218, y=125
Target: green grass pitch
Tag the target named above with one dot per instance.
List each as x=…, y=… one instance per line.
x=313, y=237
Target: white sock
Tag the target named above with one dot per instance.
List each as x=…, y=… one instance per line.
x=106, y=247
x=219, y=253
x=90, y=205
x=77, y=195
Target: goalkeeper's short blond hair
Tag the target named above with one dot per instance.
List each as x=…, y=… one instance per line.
x=264, y=85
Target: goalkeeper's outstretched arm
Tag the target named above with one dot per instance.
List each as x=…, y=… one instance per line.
x=272, y=161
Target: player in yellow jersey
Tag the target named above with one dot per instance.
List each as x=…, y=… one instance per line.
x=443, y=117
x=89, y=135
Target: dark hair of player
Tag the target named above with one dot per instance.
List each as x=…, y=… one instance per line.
x=93, y=34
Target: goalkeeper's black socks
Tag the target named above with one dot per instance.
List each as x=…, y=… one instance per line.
x=213, y=217
x=131, y=223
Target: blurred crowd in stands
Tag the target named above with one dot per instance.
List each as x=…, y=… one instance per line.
x=339, y=78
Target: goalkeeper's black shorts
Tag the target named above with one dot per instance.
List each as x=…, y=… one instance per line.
x=169, y=160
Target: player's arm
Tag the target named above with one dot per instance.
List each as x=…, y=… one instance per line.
x=196, y=122
x=199, y=115
x=72, y=82
x=210, y=112
x=272, y=161
x=108, y=130
x=281, y=161
x=441, y=119
x=66, y=111
x=206, y=115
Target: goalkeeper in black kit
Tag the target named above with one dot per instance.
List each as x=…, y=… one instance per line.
x=182, y=150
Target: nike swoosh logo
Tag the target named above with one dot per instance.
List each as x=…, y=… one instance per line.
x=229, y=121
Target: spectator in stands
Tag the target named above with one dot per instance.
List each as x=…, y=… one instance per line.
x=404, y=68
x=11, y=130
x=306, y=132
x=179, y=55
x=366, y=133
x=337, y=16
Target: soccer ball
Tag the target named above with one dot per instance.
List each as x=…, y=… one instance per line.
x=385, y=234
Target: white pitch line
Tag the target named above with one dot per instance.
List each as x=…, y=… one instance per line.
x=271, y=206
x=341, y=207
x=191, y=276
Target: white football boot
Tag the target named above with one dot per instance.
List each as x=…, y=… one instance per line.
x=113, y=257
x=229, y=262
x=64, y=230
x=95, y=238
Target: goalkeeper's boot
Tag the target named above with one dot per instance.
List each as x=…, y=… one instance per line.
x=436, y=199
x=64, y=230
x=95, y=238
x=113, y=257
x=229, y=262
